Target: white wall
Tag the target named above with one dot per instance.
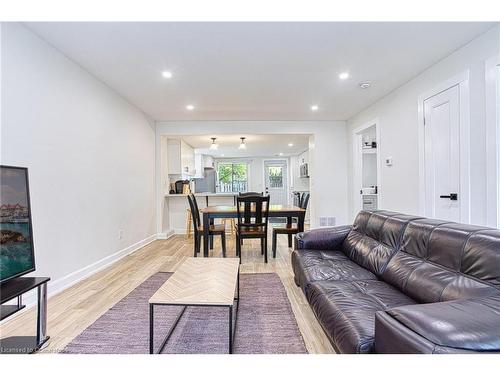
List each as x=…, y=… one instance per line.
x=398, y=120
x=90, y=156
x=327, y=159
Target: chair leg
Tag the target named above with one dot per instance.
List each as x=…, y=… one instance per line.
x=289, y=240
x=223, y=240
x=211, y=236
x=275, y=239
x=238, y=247
x=264, y=248
x=196, y=245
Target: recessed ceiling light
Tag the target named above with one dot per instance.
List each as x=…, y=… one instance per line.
x=344, y=75
x=365, y=84
x=166, y=74
x=281, y=154
x=190, y=107
x=222, y=155
x=314, y=107
x=290, y=145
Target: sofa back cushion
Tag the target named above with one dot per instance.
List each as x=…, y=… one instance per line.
x=441, y=261
x=375, y=237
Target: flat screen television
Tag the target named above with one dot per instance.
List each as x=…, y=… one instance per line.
x=16, y=234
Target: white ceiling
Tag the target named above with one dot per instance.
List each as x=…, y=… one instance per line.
x=255, y=71
x=257, y=144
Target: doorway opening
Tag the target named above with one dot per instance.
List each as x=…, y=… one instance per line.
x=366, y=168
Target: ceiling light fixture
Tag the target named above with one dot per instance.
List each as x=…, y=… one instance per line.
x=365, y=84
x=190, y=107
x=166, y=74
x=290, y=145
x=242, y=145
x=314, y=108
x=281, y=154
x=343, y=76
x=214, y=146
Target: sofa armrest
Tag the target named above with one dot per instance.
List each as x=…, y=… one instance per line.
x=322, y=238
x=470, y=325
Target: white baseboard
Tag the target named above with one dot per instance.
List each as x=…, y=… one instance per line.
x=165, y=235
x=57, y=286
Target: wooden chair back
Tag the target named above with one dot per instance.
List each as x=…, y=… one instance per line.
x=253, y=211
x=195, y=212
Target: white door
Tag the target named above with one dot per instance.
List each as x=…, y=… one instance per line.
x=276, y=178
x=442, y=155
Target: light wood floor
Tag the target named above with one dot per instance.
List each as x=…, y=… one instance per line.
x=74, y=309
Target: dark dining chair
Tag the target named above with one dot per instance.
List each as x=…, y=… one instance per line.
x=253, y=214
x=290, y=229
x=213, y=229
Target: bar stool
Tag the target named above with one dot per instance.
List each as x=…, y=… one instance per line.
x=232, y=224
x=189, y=223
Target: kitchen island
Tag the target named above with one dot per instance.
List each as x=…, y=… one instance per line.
x=176, y=206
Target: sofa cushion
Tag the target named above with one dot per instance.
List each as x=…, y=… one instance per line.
x=466, y=324
x=375, y=237
x=346, y=310
x=317, y=265
x=441, y=261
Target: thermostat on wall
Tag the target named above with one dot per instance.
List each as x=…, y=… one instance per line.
x=388, y=161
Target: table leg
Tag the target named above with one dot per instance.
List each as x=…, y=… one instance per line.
x=151, y=333
x=289, y=225
x=41, y=326
x=300, y=223
x=206, y=224
x=211, y=236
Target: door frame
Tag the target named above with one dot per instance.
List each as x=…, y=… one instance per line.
x=492, y=135
x=288, y=181
x=357, y=160
x=462, y=81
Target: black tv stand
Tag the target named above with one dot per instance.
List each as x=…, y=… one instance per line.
x=14, y=289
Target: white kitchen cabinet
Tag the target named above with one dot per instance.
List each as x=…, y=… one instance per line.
x=208, y=161
x=174, y=156
x=201, y=162
x=180, y=157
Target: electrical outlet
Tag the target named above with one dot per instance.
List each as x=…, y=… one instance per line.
x=120, y=234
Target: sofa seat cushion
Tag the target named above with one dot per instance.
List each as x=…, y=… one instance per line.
x=315, y=265
x=346, y=310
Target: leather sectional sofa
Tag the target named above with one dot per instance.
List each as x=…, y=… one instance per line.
x=393, y=283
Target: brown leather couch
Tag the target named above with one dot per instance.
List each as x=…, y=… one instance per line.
x=394, y=283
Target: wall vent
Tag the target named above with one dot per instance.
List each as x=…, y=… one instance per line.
x=327, y=221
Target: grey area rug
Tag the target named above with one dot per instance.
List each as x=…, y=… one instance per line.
x=266, y=323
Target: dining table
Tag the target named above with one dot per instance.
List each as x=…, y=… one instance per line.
x=210, y=213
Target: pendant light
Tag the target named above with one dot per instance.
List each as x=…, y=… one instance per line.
x=214, y=146
x=242, y=145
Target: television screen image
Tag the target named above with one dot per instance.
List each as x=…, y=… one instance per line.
x=16, y=238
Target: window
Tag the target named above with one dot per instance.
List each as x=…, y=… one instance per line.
x=232, y=177
x=275, y=176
